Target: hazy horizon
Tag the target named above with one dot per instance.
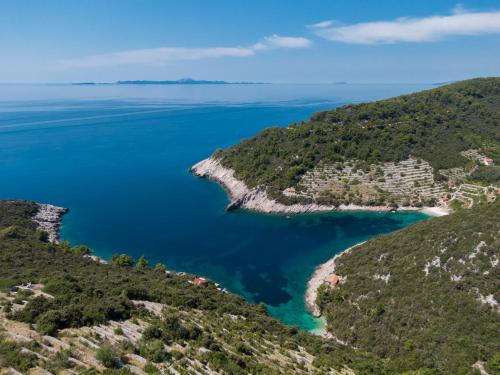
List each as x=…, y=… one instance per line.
x=279, y=42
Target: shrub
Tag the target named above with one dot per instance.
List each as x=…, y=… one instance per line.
x=49, y=322
x=151, y=369
x=154, y=350
x=122, y=260
x=160, y=267
x=11, y=356
x=142, y=263
x=81, y=250
x=489, y=174
x=493, y=364
x=43, y=235
x=107, y=356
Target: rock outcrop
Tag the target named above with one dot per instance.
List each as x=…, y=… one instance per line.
x=48, y=219
x=322, y=275
x=256, y=199
x=241, y=196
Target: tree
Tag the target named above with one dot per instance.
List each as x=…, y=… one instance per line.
x=123, y=260
x=142, y=263
x=43, y=235
x=49, y=322
x=81, y=250
x=494, y=364
x=65, y=246
x=160, y=267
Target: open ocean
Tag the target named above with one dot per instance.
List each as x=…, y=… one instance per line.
x=118, y=158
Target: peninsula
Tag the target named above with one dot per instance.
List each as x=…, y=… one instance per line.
x=257, y=199
x=438, y=148
x=423, y=298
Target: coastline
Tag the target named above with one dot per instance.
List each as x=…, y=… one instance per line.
x=257, y=200
x=48, y=219
x=321, y=274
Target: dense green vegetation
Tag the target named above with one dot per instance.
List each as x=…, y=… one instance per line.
x=428, y=315
x=87, y=293
x=435, y=125
x=486, y=174
x=10, y=354
x=427, y=318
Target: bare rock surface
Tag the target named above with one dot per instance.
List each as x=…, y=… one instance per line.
x=48, y=219
x=322, y=275
x=256, y=199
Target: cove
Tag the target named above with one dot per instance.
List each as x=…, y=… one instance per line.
x=118, y=157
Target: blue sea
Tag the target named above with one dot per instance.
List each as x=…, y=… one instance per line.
x=118, y=158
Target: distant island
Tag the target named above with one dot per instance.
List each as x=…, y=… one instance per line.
x=182, y=81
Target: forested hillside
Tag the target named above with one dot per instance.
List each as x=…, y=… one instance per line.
x=425, y=297
x=62, y=311
x=449, y=127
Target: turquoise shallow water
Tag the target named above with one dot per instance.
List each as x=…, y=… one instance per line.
x=118, y=157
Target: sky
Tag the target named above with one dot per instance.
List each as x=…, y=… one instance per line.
x=282, y=41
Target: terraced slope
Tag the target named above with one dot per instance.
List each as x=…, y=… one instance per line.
x=452, y=131
x=426, y=297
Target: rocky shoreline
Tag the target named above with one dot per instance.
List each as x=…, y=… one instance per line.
x=48, y=219
x=322, y=275
x=256, y=199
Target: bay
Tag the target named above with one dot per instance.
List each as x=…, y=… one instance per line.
x=118, y=157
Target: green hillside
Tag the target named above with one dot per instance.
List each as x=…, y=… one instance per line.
x=418, y=299
x=424, y=297
x=435, y=126
x=79, y=313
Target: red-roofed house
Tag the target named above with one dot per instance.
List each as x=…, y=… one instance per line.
x=199, y=280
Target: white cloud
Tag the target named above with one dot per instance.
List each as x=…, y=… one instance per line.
x=162, y=55
x=427, y=29
x=287, y=41
x=322, y=24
